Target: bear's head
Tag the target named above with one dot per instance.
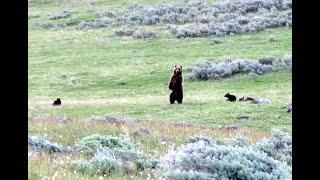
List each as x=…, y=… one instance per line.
x=177, y=71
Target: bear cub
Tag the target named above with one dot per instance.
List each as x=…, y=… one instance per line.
x=246, y=99
x=176, y=85
x=57, y=102
x=230, y=97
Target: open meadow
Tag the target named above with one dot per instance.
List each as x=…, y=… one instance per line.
x=117, y=85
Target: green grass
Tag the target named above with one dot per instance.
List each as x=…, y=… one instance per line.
x=110, y=73
x=113, y=75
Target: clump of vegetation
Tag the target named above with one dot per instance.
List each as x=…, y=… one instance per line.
x=33, y=15
x=143, y=33
x=196, y=139
x=90, y=144
x=192, y=30
x=279, y=147
x=84, y=25
x=208, y=71
x=124, y=32
x=46, y=25
x=219, y=18
x=111, y=118
x=203, y=160
x=271, y=38
x=102, y=163
x=64, y=14
x=39, y=143
x=215, y=41
x=109, y=155
x=267, y=60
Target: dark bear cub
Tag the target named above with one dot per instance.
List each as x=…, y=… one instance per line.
x=57, y=102
x=230, y=97
x=176, y=85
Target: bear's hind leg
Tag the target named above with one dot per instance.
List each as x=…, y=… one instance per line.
x=172, y=98
x=179, y=97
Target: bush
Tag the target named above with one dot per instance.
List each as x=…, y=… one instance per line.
x=267, y=60
x=90, y=144
x=279, y=147
x=285, y=62
x=39, y=143
x=207, y=71
x=140, y=160
x=108, y=157
x=83, y=25
x=62, y=15
x=215, y=41
x=219, y=18
x=143, y=33
x=107, y=161
x=228, y=17
x=46, y=25
x=110, y=118
x=33, y=15
x=193, y=30
x=100, y=164
x=271, y=38
x=103, y=22
x=201, y=160
x=123, y=32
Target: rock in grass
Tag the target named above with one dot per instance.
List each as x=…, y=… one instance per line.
x=260, y=101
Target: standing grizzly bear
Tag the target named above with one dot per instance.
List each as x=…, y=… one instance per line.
x=176, y=85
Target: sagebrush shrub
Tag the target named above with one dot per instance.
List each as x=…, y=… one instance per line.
x=83, y=25
x=100, y=164
x=278, y=147
x=143, y=33
x=215, y=41
x=33, y=15
x=124, y=32
x=208, y=71
x=90, y=144
x=46, y=25
x=39, y=143
x=62, y=15
x=109, y=155
x=267, y=60
x=202, y=160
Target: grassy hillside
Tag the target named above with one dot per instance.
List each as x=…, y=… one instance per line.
x=96, y=73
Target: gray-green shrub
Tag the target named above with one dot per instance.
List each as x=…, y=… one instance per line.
x=39, y=143
x=202, y=160
x=91, y=144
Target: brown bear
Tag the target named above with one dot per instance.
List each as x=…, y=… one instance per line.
x=176, y=85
